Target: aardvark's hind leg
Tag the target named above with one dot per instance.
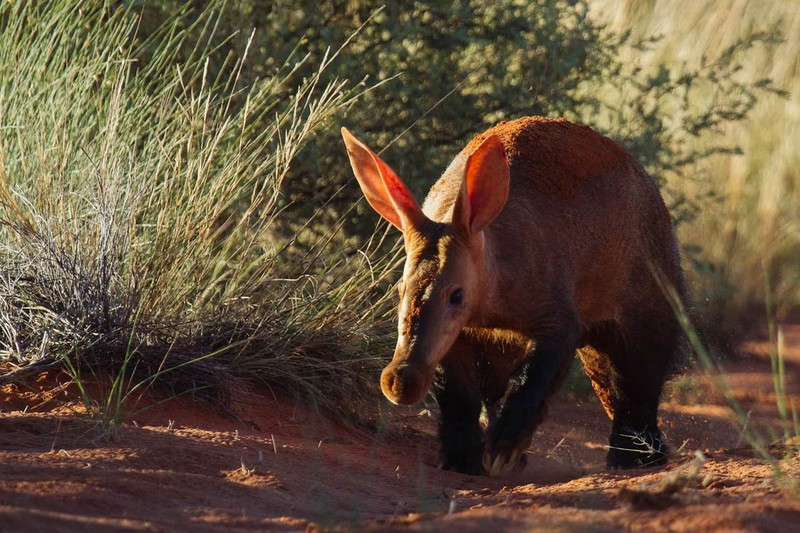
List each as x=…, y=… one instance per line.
x=628, y=373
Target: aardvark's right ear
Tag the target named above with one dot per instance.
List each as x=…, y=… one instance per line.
x=385, y=191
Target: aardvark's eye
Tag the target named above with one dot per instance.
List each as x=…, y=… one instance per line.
x=456, y=297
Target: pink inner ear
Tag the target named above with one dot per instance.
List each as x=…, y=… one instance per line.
x=398, y=192
x=478, y=199
x=384, y=190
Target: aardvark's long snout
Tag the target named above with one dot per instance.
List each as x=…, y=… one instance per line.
x=404, y=384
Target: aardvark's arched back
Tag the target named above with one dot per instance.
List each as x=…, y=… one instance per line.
x=540, y=239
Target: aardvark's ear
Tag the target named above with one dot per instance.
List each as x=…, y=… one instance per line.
x=485, y=187
x=385, y=191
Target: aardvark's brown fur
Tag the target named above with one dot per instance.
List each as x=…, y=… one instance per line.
x=541, y=238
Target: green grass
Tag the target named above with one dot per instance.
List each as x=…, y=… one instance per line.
x=137, y=200
x=763, y=446
x=789, y=434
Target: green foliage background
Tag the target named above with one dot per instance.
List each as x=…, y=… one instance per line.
x=453, y=69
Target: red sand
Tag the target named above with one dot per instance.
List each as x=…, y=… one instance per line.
x=279, y=467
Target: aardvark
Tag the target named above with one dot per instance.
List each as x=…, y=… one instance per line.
x=542, y=238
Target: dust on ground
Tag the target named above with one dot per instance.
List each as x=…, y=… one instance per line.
x=268, y=464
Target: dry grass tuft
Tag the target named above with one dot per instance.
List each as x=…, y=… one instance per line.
x=138, y=192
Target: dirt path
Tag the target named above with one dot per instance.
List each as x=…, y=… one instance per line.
x=283, y=467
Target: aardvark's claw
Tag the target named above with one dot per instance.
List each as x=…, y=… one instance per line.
x=501, y=463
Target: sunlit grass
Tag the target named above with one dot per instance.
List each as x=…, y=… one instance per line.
x=709, y=366
x=749, y=224
x=137, y=196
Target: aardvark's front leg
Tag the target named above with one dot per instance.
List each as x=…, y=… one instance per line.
x=542, y=372
x=457, y=392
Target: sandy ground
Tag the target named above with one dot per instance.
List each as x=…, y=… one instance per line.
x=271, y=465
